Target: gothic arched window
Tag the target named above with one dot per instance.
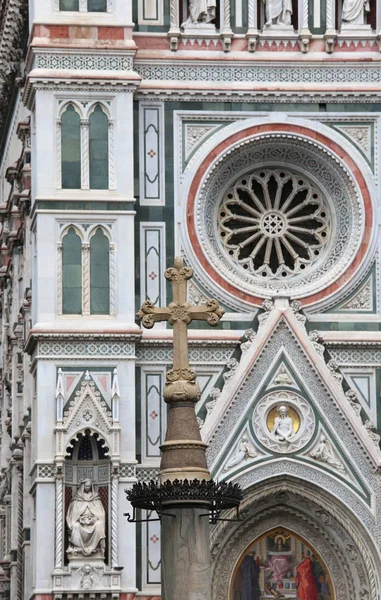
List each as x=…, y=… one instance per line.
x=71, y=273
x=99, y=273
x=97, y=5
x=69, y=5
x=98, y=149
x=92, y=5
x=71, y=148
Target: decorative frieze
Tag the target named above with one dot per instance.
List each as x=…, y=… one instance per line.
x=53, y=350
x=356, y=355
x=200, y=353
x=82, y=61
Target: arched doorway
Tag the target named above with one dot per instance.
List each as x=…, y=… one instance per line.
x=281, y=564
x=320, y=525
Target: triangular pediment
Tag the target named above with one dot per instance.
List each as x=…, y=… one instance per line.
x=316, y=405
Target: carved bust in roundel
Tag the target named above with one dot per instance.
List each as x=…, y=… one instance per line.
x=283, y=421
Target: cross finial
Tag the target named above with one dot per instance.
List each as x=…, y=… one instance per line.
x=183, y=451
x=179, y=312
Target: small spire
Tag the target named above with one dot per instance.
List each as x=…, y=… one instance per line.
x=115, y=393
x=60, y=388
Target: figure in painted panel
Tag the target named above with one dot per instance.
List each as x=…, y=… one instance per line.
x=250, y=578
x=305, y=581
x=354, y=12
x=200, y=11
x=283, y=429
x=86, y=522
x=278, y=13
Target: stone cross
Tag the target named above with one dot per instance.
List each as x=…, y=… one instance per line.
x=180, y=313
x=184, y=539
x=183, y=452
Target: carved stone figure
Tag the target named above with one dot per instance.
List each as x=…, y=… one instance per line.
x=244, y=450
x=323, y=453
x=372, y=432
x=283, y=429
x=354, y=12
x=200, y=12
x=4, y=485
x=282, y=377
x=296, y=307
x=250, y=337
x=87, y=580
x=278, y=13
x=315, y=338
x=232, y=365
x=353, y=553
x=334, y=368
x=215, y=393
x=267, y=306
x=353, y=401
x=86, y=522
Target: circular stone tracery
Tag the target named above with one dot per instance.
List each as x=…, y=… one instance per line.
x=274, y=223
x=312, y=161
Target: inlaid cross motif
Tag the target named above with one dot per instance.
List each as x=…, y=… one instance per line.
x=180, y=313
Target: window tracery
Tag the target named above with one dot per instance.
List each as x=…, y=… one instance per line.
x=274, y=223
x=85, y=147
x=83, y=5
x=86, y=271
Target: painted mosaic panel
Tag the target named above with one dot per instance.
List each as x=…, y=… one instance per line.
x=281, y=565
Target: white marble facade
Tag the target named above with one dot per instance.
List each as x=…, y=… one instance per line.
x=205, y=105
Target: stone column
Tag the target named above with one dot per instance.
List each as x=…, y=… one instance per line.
x=185, y=553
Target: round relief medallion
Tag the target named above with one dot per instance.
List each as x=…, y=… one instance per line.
x=278, y=214
x=283, y=422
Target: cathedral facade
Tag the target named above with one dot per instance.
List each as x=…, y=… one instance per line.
x=242, y=136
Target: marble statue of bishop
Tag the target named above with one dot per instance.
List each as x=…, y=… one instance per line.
x=86, y=522
x=200, y=12
x=278, y=13
x=354, y=12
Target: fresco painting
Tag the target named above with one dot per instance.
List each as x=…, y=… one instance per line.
x=281, y=565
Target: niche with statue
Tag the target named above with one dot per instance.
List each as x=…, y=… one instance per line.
x=86, y=509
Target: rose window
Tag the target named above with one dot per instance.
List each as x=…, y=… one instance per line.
x=274, y=223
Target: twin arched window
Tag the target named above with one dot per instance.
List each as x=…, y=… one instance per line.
x=85, y=274
x=85, y=149
x=92, y=5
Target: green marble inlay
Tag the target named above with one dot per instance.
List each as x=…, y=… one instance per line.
x=99, y=274
x=71, y=273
